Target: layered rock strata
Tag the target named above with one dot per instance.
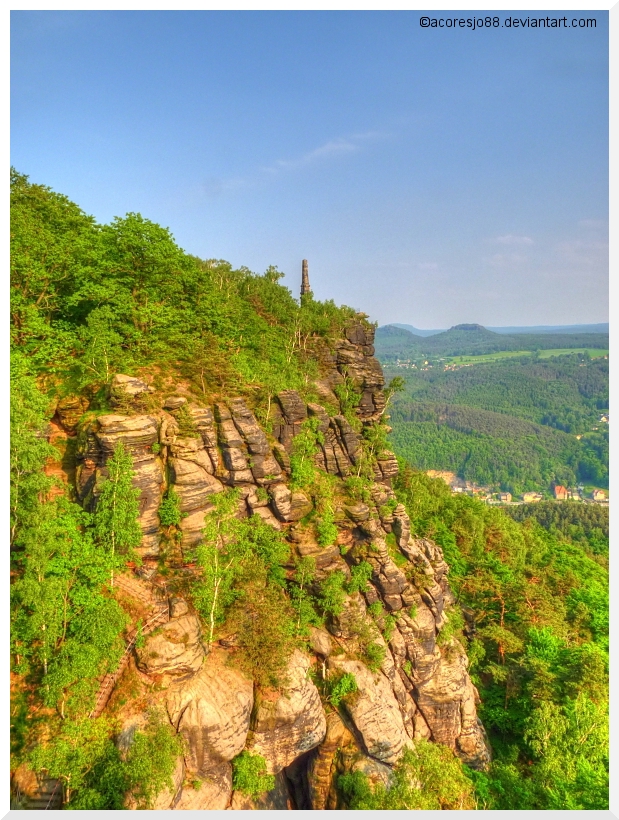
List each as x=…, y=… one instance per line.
x=421, y=690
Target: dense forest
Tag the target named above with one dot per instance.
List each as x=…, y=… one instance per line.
x=535, y=621
x=517, y=424
x=89, y=301
x=471, y=340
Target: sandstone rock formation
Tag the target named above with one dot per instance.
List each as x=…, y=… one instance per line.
x=175, y=649
x=293, y=723
x=422, y=688
x=212, y=712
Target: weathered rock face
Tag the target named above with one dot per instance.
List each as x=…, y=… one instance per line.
x=422, y=689
x=320, y=769
x=447, y=701
x=374, y=711
x=212, y=712
x=211, y=792
x=138, y=435
x=277, y=799
x=175, y=649
x=293, y=723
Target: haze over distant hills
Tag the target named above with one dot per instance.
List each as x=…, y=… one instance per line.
x=601, y=327
x=394, y=341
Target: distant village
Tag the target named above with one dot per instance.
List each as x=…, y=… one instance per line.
x=559, y=492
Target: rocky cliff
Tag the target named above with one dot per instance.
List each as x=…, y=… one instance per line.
x=421, y=689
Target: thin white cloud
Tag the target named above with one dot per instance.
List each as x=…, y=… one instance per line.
x=335, y=147
x=513, y=239
x=341, y=146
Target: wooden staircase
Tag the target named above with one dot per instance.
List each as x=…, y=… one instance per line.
x=49, y=795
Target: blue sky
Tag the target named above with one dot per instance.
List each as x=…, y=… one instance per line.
x=430, y=176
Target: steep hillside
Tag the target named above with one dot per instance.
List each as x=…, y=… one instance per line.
x=226, y=593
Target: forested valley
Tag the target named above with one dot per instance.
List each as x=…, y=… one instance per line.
x=306, y=575
x=516, y=424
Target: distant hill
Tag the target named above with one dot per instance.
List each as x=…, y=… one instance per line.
x=417, y=331
x=394, y=342
x=601, y=327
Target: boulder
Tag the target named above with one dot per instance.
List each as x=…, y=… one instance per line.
x=210, y=791
x=291, y=724
x=175, y=649
x=246, y=424
x=126, y=389
x=268, y=517
x=211, y=710
x=374, y=711
x=447, y=702
x=138, y=433
x=193, y=483
x=320, y=641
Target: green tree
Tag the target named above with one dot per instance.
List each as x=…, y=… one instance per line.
x=116, y=524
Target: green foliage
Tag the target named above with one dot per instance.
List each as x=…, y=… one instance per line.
x=540, y=652
x=28, y=449
x=349, y=398
x=429, y=777
x=473, y=340
x=376, y=610
x=151, y=760
x=95, y=776
x=265, y=626
x=373, y=655
x=303, y=602
x=116, y=525
x=358, y=488
x=326, y=531
x=453, y=627
x=90, y=300
x=390, y=624
x=186, y=425
x=65, y=630
x=339, y=687
x=249, y=775
x=360, y=574
x=221, y=555
x=331, y=594
x=170, y=509
x=303, y=471
x=584, y=524
x=241, y=562
x=510, y=424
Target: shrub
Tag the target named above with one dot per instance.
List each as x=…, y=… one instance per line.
x=375, y=610
x=170, y=509
x=331, y=595
x=359, y=577
x=186, y=425
x=374, y=655
x=390, y=622
x=151, y=760
x=249, y=774
x=340, y=687
x=326, y=531
x=430, y=777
